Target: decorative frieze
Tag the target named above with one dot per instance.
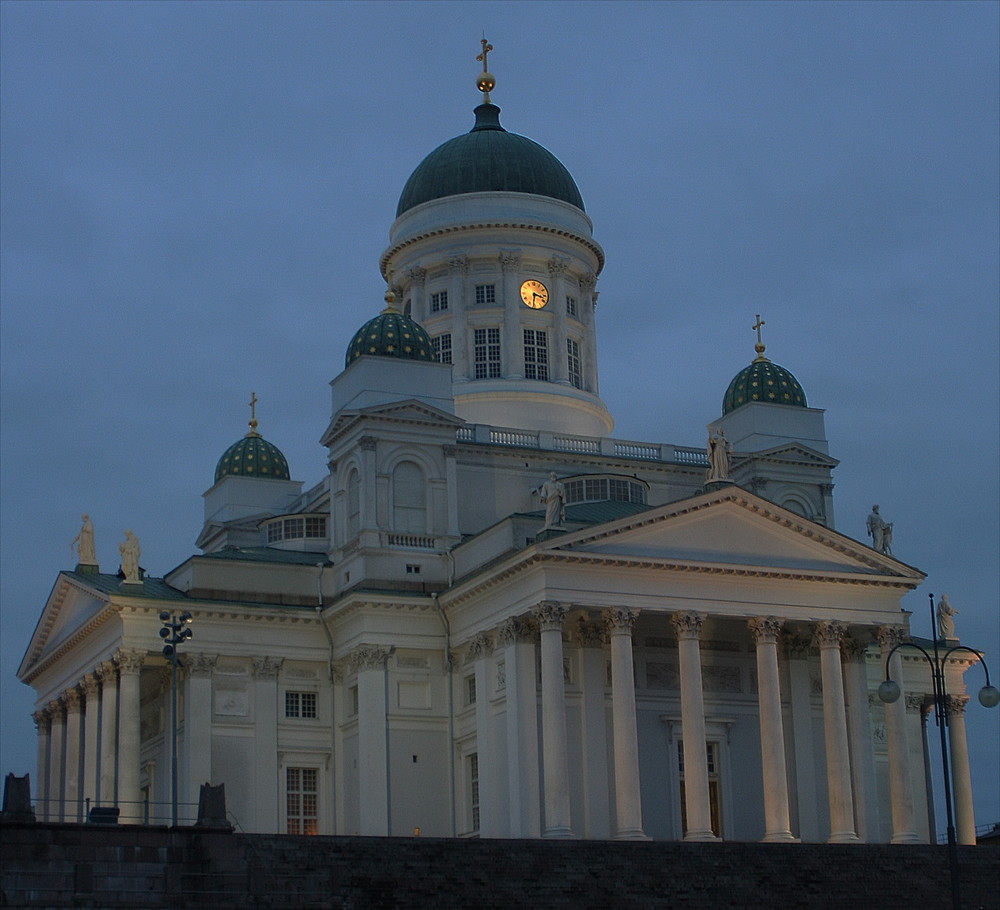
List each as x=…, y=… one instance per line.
x=662, y=676
x=765, y=628
x=265, y=667
x=412, y=662
x=620, y=620
x=550, y=616
x=368, y=657
x=687, y=624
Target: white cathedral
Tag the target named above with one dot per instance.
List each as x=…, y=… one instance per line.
x=490, y=617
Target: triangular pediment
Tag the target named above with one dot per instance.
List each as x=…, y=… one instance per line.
x=793, y=453
x=410, y=411
x=730, y=528
x=71, y=605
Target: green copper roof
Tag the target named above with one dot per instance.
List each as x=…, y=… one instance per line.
x=488, y=159
x=252, y=456
x=763, y=381
x=390, y=334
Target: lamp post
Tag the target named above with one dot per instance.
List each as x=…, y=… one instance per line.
x=989, y=696
x=174, y=632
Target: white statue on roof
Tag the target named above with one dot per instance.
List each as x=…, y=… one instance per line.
x=84, y=543
x=129, y=551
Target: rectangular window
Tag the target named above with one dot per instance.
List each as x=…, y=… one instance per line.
x=353, y=695
x=300, y=704
x=570, y=306
x=441, y=345
x=536, y=354
x=316, y=527
x=573, y=363
x=412, y=569
x=439, y=301
x=486, y=353
x=470, y=690
x=301, y=800
x=473, y=763
x=712, y=766
x=486, y=294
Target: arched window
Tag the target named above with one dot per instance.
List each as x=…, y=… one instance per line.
x=796, y=506
x=409, y=502
x=353, y=504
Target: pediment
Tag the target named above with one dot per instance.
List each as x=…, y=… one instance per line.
x=70, y=606
x=793, y=452
x=411, y=411
x=730, y=528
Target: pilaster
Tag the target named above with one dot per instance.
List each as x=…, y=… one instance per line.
x=370, y=664
x=265, y=696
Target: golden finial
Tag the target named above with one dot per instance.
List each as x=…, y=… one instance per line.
x=485, y=80
x=253, y=415
x=390, y=297
x=759, y=346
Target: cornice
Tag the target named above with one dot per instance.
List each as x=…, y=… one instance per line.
x=39, y=666
x=494, y=226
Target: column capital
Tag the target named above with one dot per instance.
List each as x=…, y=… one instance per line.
x=890, y=636
x=105, y=672
x=687, y=623
x=620, y=620
x=587, y=281
x=90, y=685
x=41, y=719
x=459, y=264
x=515, y=629
x=480, y=646
x=955, y=704
x=830, y=633
x=55, y=709
x=557, y=266
x=549, y=614
x=853, y=649
x=200, y=665
x=368, y=657
x=266, y=667
x=72, y=700
x=130, y=661
x=510, y=260
x=915, y=703
x=765, y=628
x=417, y=274
x=590, y=633
x=367, y=443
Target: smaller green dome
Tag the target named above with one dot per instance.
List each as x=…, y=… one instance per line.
x=390, y=334
x=252, y=456
x=763, y=381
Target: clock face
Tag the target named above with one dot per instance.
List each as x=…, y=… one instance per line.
x=534, y=294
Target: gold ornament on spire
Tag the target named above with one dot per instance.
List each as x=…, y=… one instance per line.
x=485, y=80
x=390, y=297
x=253, y=415
x=759, y=346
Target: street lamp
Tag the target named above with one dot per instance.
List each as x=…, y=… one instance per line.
x=989, y=696
x=174, y=632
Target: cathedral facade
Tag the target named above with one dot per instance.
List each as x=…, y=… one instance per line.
x=490, y=616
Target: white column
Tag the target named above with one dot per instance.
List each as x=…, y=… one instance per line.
x=108, y=676
x=43, y=728
x=696, y=798
x=197, y=753
x=620, y=622
x=269, y=789
x=594, y=732
x=369, y=662
x=859, y=730
x=555, y=762
x=91, y=739
x=57, y=742
x=588, y=316
x=517, y=636
x=490, y=802
x=74, y=806
x=777, y=826
x=904, y=829
x=558, y=367
x=803, y=747
x=512, y=344
x=838, y=757
x=961, y=778
x=129, y=736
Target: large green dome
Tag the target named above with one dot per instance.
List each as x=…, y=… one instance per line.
x=763, y=381
x=252, y=456
x=488, y=159
x=390, y=334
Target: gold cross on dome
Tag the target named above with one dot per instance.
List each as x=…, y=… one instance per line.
x=487, y=47
x=757, y=326
x=253, y=404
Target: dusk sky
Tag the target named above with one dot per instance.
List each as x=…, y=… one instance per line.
x=195, y=197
